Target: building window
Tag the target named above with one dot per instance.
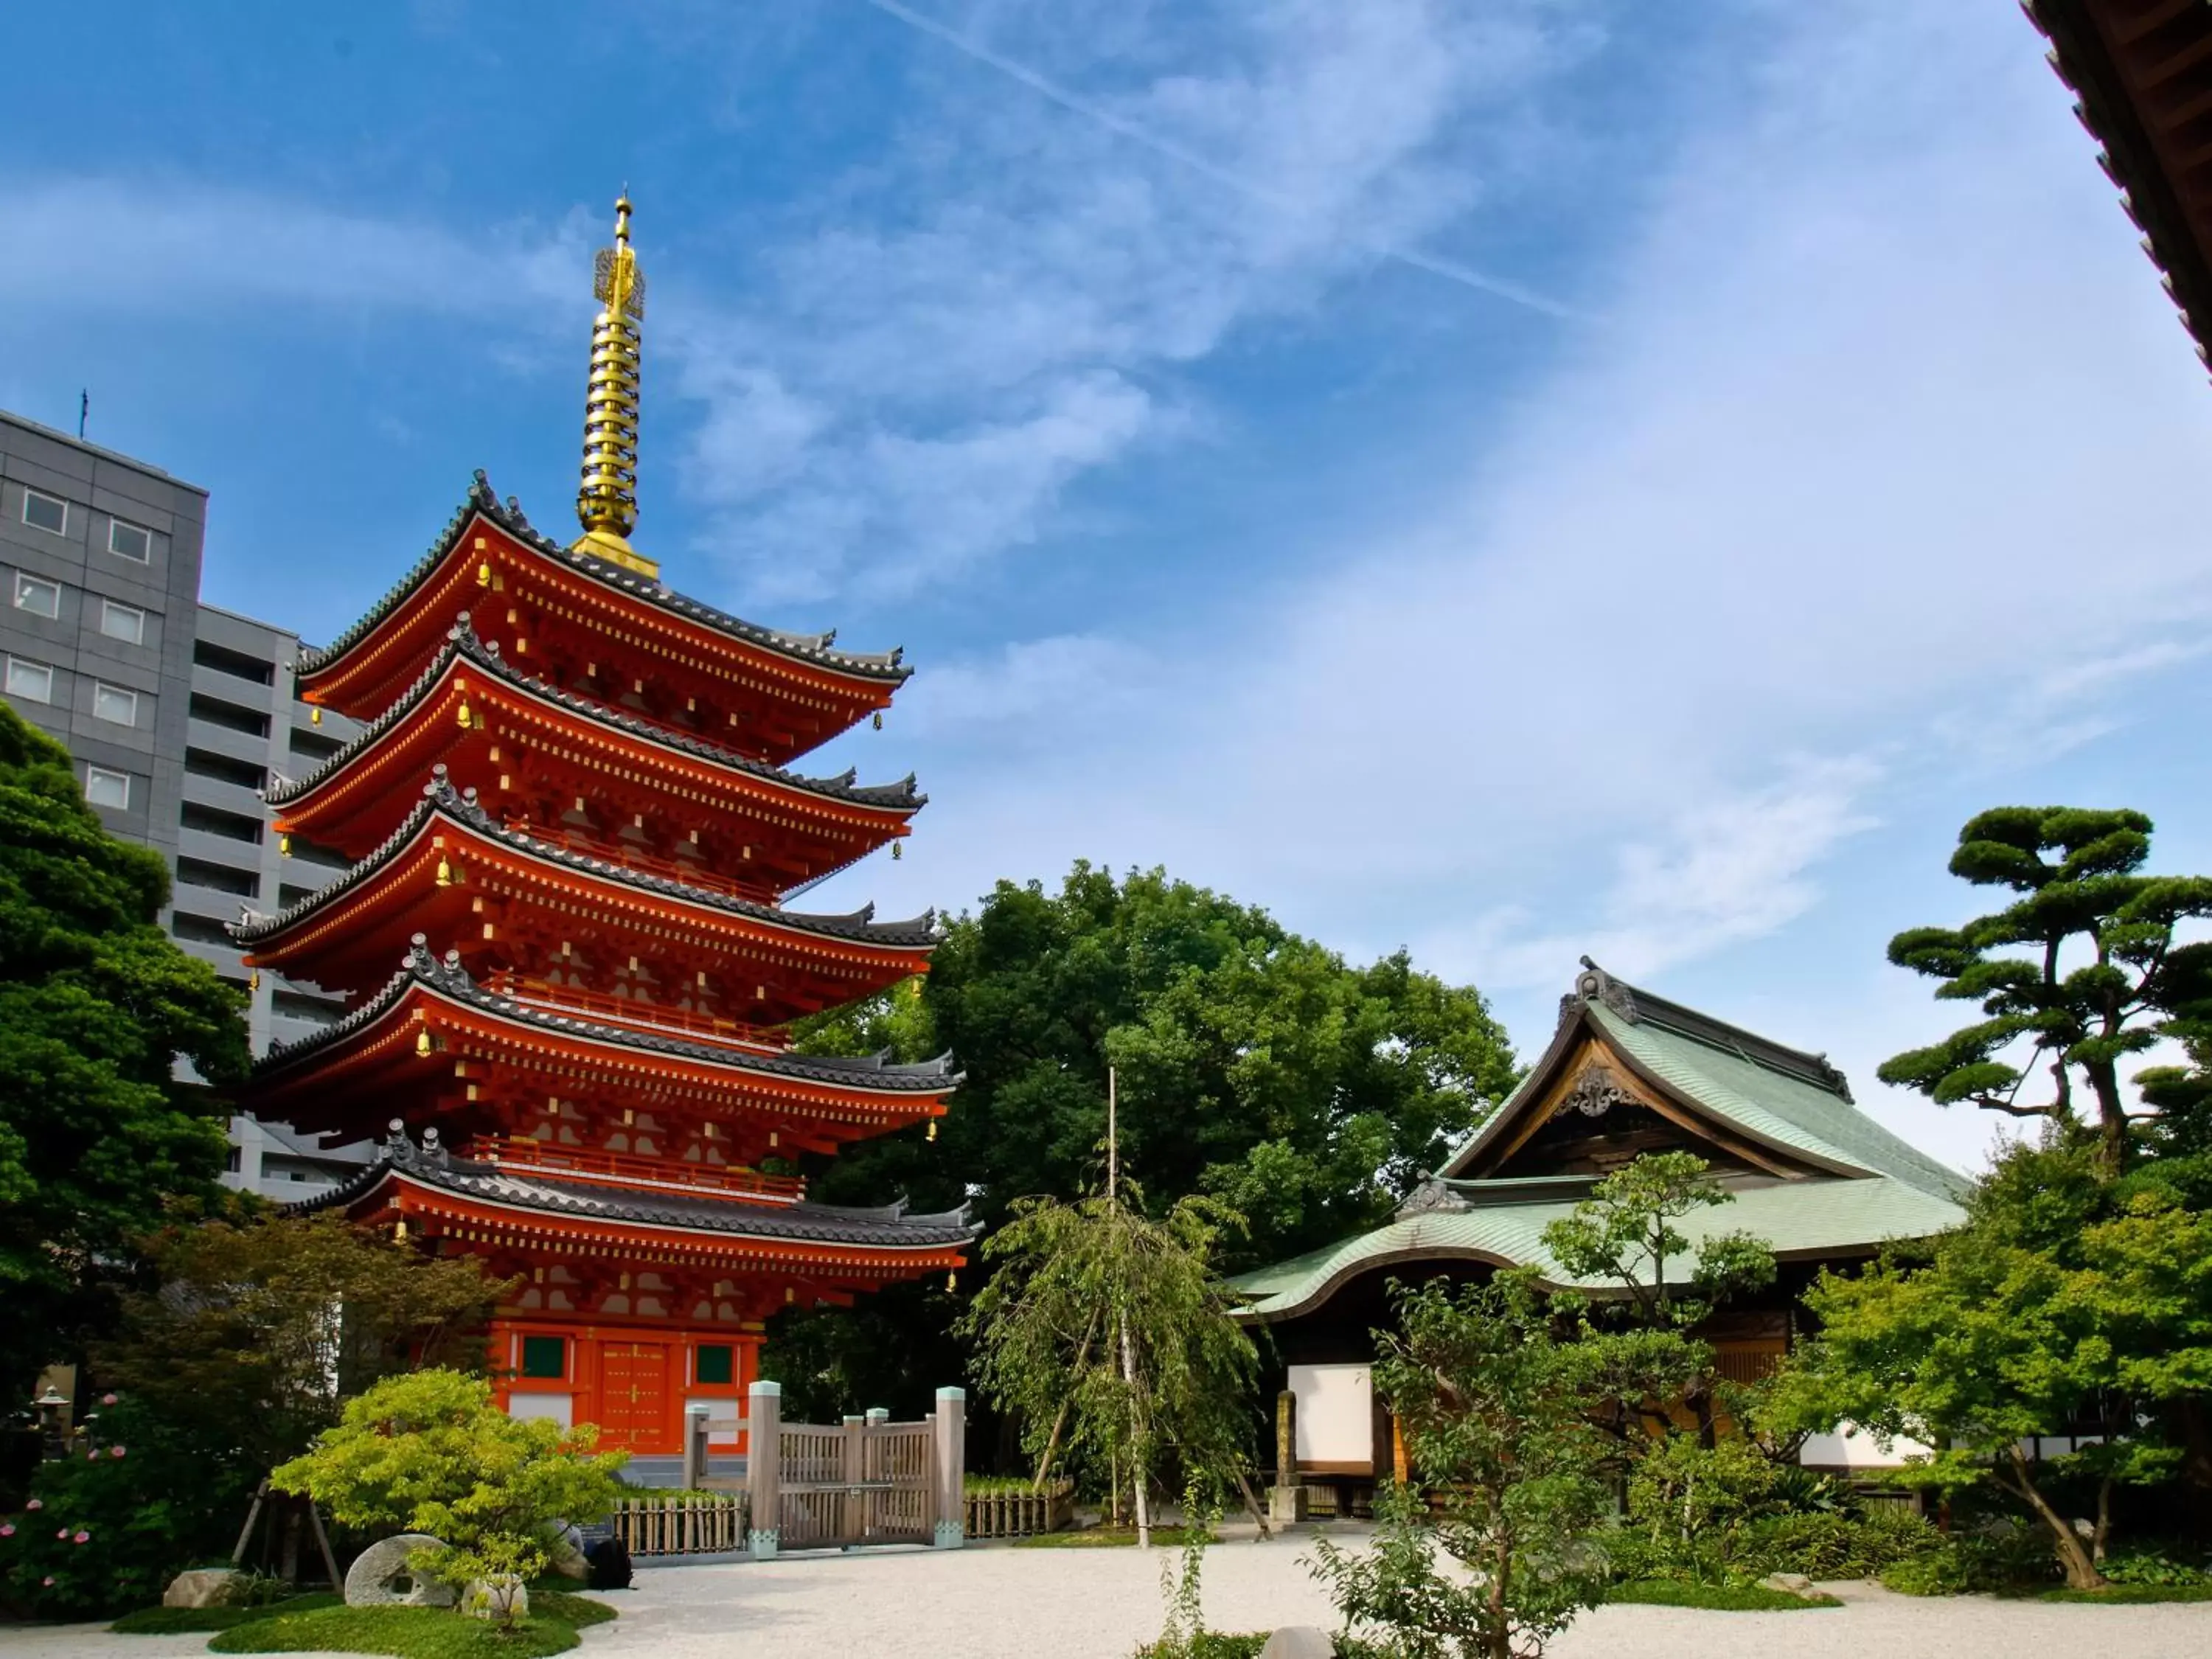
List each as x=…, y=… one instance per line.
x=130, y=541
x=34, y=682
x=716, y=1363
x=105, y=788
x=126, y=622
x=545, y=1357
x=40, y=598
x=45, y=512
x=234, y=1161
x=113, y=702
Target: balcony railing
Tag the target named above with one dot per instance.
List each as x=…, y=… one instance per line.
x=651, y=864
x=629, y=1169
x=633, y=1011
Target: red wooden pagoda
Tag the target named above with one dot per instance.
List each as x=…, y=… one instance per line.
x=572, y=829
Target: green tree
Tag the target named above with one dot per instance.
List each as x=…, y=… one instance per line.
x=2078, y=973
x=1625, y=1231
x=1497, y=1391
x=1307, y=1093
x=428, y=1452
x=96, y=1005
x=253, y=1330
x=2064, y=1300
x=1108, y=1335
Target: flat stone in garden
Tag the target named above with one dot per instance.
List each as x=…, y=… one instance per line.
x=1299, y=1642
x=370, y=1582
x=1789, y=1584
x=203, y=1587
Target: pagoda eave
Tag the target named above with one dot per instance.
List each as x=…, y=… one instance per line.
x=461, y=1054
x=490, y=1209
x=490, y=558
x=489, y=723
x=453, y=872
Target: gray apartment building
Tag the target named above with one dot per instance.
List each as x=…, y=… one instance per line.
x=176, y=713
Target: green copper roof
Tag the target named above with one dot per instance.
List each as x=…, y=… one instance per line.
x=1867, y=1186
x=1816, y=1217
x=1770, y=1104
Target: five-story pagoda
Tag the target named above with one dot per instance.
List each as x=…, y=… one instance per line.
x=572, y=828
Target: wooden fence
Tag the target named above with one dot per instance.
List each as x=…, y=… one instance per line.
x=1019, y=1514
x=699, y=1526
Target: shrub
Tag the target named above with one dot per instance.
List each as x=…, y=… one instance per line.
x=2148, y=1567
x=430, y=1453
x=1827, y=1544
x=1694, y=1508
x=1932, y=1572
x=136, y=1503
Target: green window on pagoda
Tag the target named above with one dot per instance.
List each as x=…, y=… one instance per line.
x=545, y=1357
x=715, y=1362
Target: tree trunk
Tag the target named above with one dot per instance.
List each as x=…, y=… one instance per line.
x=1498, y=1638
x=2081, y=1571
x=1059, y=1421
x=1251, y=1503
x=1139, y=1498
x=2104, y=1523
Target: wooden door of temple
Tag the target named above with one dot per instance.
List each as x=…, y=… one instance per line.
x=634, y=1395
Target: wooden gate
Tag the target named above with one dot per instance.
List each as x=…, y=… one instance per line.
x=866, y=1480
x=859, y=1482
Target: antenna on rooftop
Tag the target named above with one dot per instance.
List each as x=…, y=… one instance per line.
x=83, y=408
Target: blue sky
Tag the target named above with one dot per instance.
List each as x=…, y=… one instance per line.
x=1509, y=479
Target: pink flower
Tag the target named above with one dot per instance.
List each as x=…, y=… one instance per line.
x=48, y=1580
x=115, y=1451
x=63, y=1533
x=34, y=1504
x=7, y=1529
x=91, y=1457
x=84, y=1538
x=107, y=1399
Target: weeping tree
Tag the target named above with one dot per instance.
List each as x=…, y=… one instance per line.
x=1107, y=1332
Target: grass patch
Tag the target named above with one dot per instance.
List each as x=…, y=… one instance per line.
x=178, y=1621
x=570, y=1608
x=2128, y=1593
x=1104, y=1538
x=416, y=1632
x=1714, y=1598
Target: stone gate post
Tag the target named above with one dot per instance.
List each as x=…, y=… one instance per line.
x=950, y=1422
x=764, y=1465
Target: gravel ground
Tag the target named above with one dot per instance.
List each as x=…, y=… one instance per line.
x=999, y=1603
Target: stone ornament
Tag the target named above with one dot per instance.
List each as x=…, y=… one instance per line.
x=203, y=1587
x=373, y=1580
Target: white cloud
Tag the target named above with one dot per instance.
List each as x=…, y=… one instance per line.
x=1889, y=448
x=987, y=341
x=114, y=246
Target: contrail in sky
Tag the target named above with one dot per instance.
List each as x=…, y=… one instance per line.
x=1451, y=271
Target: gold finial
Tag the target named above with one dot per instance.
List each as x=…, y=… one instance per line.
x=606, y=503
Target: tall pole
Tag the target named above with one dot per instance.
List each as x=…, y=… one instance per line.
x=1112, y=1154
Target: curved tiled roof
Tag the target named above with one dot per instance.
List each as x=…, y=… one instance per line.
x=440, y=797
x=1781, y=1097
x=448, y=978
x=1813, y=1218
x=816, y=649
x=484, y=655
x=886, y=1227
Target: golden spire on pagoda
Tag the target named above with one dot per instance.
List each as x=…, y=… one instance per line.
x=607, y=502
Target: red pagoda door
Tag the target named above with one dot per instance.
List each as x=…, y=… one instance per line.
x=634, y=1395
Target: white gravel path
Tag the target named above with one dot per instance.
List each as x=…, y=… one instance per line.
x=999, y=1603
